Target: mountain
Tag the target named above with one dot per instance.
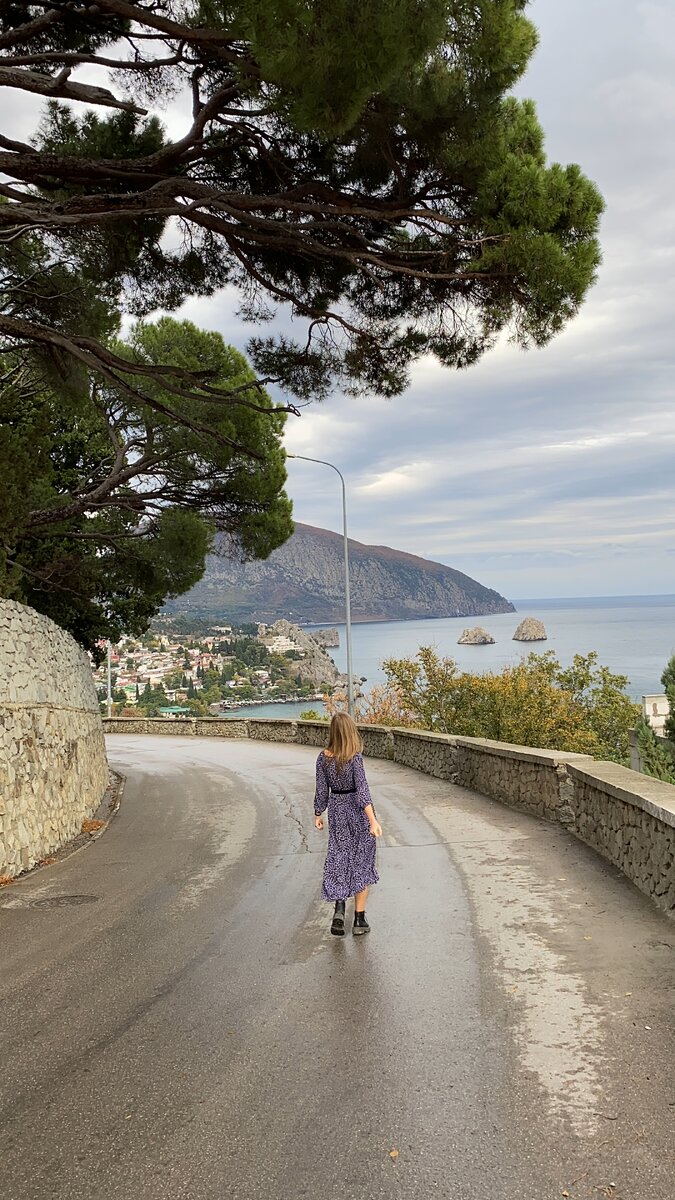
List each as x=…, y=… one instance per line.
x=304, y=581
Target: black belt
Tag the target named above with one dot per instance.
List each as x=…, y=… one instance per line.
x=343, y=791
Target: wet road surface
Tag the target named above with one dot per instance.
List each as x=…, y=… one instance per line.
x=176, y=1022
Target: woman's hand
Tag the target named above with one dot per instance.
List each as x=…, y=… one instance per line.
x=376, y=829
x=318, y=822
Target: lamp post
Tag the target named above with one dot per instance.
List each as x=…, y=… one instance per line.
x=109, y=663
x=348, y=605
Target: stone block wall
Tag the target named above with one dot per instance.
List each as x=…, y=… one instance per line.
x=269, y=729
x=535, y=781
x=630, y=820
x=312, y=733
x=215, y=727
x=378, y=741
x=433, y=753
x=53, y=768
x=176, y=727
x=626, y=817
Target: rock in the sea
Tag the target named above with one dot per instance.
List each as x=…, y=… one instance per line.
x=530, y=630
x=326, y=637
x=475, y=637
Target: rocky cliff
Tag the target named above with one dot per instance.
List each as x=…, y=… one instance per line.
x=304, y=581
x=328, y=638
x=317, y=667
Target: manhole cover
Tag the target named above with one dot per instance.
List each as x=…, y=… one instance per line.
x=46, y=901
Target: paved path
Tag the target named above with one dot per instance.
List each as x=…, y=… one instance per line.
x=188, y=1030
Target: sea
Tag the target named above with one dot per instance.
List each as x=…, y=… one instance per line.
x=633, y=635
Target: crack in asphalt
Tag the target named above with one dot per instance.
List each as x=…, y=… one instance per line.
x=296, y=820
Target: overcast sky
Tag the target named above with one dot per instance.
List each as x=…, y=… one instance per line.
x=548, y=473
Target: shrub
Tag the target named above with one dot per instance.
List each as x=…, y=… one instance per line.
x=536, y=702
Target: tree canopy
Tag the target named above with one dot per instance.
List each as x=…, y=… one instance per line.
x=536, y=702
x=107, y=506
x=362, y=163
x=668, y=681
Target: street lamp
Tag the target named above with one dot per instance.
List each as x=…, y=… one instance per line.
x=348, y=605
x=109, y=672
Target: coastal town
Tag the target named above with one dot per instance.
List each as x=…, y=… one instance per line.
x=188, y=667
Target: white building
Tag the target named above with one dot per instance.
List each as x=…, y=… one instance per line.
x=656, y=710
x=279, y=644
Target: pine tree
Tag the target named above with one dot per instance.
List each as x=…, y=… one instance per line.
x=654, y=758
x=104, y=568
x=365, y=164
x=668, y=681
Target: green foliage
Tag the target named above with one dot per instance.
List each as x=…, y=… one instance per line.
x=174, y=679
x=325, y=60
x=365, y=163
x=247, y=652
x=668, y=681
x=602, y=697
x=537, y=702
x=152, y=699
x=311, y=714
x=654, y=758
x=108, y=506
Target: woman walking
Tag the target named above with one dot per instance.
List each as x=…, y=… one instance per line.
x=342, y=788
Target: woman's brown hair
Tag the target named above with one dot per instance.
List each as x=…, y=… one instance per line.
x=344, y=740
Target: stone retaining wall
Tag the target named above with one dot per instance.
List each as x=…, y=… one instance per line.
x=53, y=769
x=535, y=781
x=433, y=753
x=627, y=817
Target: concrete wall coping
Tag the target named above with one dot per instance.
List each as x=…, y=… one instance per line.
x=420, y=735
x=157, y=720
x=257, y=720
x=527, y=753
x=651, y=795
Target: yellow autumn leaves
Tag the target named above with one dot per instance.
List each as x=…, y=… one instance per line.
x=536, y=702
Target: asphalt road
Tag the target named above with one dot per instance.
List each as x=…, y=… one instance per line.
x=176, y=1021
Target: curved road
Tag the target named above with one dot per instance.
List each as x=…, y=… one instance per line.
x=176, y=1023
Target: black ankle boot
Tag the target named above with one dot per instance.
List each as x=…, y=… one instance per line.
x=360, y=924
x=338, y=926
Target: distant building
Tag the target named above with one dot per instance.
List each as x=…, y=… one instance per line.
x=279, y=644
x=656, y=710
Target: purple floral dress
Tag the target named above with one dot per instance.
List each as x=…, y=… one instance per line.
x=350, y=861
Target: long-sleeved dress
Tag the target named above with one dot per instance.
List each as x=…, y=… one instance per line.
x=350, y=861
